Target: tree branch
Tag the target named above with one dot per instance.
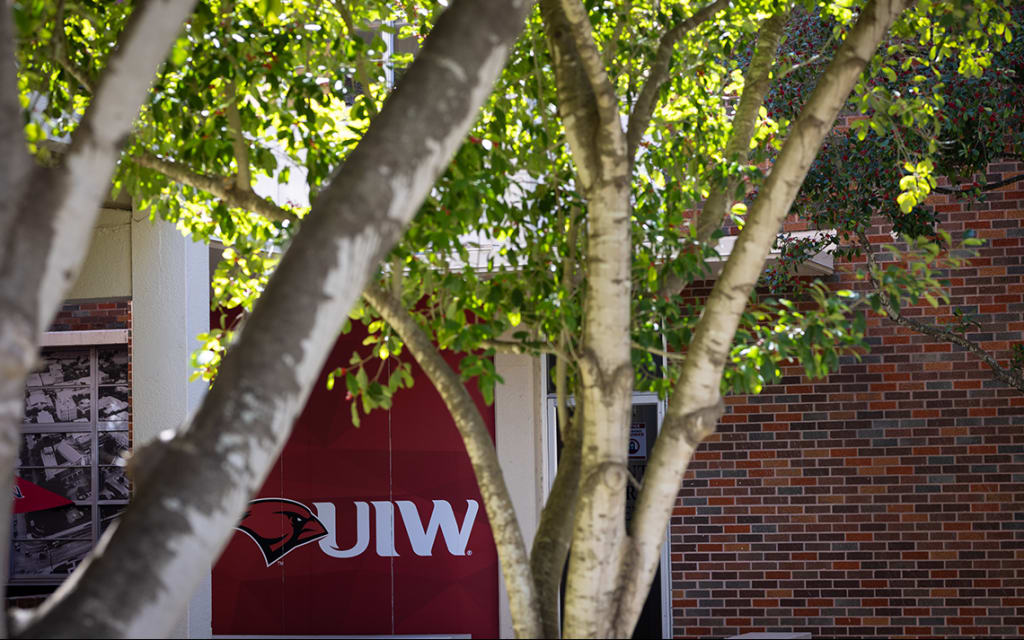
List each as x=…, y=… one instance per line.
x=65, y=202
x=515, y=565
x=15, y=161
x=362, y=76
x=590, y=60
x=554, y=533
x=991, y=186
x=591, y=121
x=744, y=122
x=698, y=388
x=1010, y=377
x=61, y=51
x=221, y=188
x=135, y=584
x=643, y=109
x=239, y=145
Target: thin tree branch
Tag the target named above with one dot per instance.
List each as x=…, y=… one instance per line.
x=362, y=75
x=60, y=47
x=612, y=44
x=515, y=565
x=240, y=146
x=991, y=186
x=668, y=355
x=643, y=109
x=744, y=122
x=521, y=348
x=1010, y=377
x=590, y=60
x=554, y=533
x=220, y=188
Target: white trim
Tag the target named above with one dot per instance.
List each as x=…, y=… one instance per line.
x=84, y=338
x=820, y=264
x=486, y=253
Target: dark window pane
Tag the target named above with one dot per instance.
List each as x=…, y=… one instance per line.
x=61, y=368
x=48, y=557
x=114, y=403
x=113, y=365
x=59, y=404
x=74, y=483
x=114, y=484
x=72, y=521
x=112, y=446
x=55, y=449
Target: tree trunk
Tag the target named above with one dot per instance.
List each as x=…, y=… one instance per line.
x=696, y=400
x=195, y=486
x=45, y=213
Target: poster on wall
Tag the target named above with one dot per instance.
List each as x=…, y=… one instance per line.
x=370, y=530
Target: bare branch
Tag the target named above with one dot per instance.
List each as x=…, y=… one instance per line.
x=239, y=145
x=668, y=355
x=643, y=109
x=220, y=188
x=508, y=538
x=590, y=60
x=554, y=533
x=1010, y=377
x=586, y=98
x=991, y=186
x=744, y=121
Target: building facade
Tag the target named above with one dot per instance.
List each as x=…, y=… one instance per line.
x=886, y=499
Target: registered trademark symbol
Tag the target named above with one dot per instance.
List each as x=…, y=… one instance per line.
x=469, y=553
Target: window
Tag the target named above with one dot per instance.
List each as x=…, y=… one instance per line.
x=76, y=429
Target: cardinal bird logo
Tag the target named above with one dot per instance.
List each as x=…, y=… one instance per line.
x=279, y=526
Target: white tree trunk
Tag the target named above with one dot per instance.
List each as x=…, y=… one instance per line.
x=193, y=488
x=45, y=214
x=695, y=402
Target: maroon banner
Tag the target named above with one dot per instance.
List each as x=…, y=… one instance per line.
x=31, y=497
x=376, y=530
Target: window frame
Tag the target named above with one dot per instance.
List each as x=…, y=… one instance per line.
x=98, y=507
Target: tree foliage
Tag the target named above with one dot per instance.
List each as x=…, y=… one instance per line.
x=611, y=124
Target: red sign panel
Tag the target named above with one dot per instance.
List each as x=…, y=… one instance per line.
x=375, y=530
x=31, y=497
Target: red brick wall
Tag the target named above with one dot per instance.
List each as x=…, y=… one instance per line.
x=885, y=500
x=83, y=315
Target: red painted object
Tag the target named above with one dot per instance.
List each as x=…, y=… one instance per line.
x=31, y=497
x=348, y=517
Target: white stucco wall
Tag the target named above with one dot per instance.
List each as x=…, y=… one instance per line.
x=170, y=293
x=107, y=272
x=519, y=441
